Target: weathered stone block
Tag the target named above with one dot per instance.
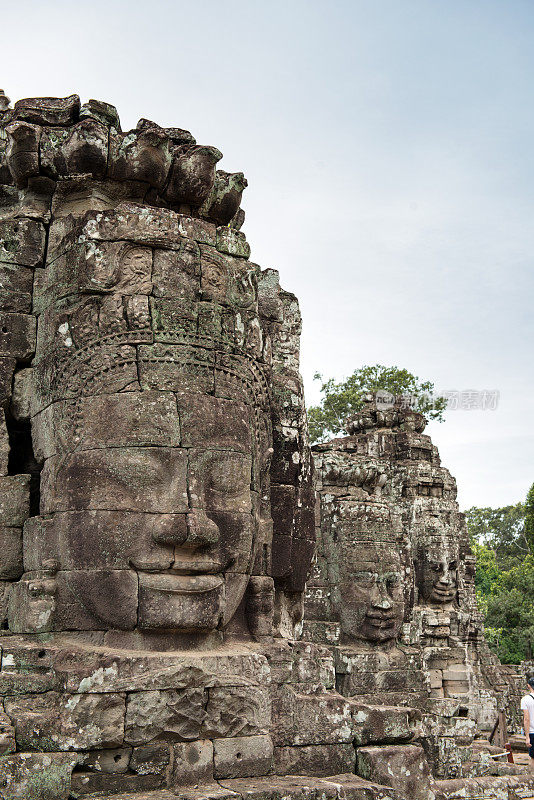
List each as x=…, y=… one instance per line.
x=344, y=787
x=80, y=150
x=232, y=242
x=353, y=788
x=48, y=110
x=7, y=735
x=172, y=320
x=11, y=566
x=177, y=368
x=31, y=606
x=14, y=500
x=108, y=369
x=89, y=783
x=214, y=422
x=192, y=175
x=303, y=717
x=7, y=368
x=100, y=671
x=86, y=267
x=220, y=480
x=403, y=767
x=31, y=682
x=36, y=776
x=275, y=787
x=236, y=711
x=17, y=335
x=53, y=721
x=22, y=152
x=5, y=591
x=170, y=714
x=154, y=227
x=373, y=724
x=151, y=759
x=16, y=282
x=176, y=273
x=103, y=540
x=181, y=602
x=243, y=756
x=315, y=759
x=207, y=792
x=21, y=402
x=116, y=760
x=21, y=242
x=95, y=600
x=192, y=764
x=144, y=479
x=127, y=419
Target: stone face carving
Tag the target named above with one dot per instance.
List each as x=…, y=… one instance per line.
x=373, y=604
x=156, y=394
x=437, y=571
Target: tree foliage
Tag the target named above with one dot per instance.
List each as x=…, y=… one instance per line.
x=504, y=578
x=342, y=399
x=502, y=530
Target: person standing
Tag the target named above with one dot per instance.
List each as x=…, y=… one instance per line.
x=527, y=707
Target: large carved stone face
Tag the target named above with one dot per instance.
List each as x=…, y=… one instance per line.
x=160, y=491
x=154, y=428
x=437, y=573
x=372, y=598
x=160, y=360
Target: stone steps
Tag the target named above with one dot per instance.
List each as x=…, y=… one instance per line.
x=516, y=787
x=338, y=787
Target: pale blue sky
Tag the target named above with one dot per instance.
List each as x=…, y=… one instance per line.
x=388, y=146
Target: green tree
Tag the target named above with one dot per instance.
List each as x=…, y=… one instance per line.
x=504, y=579
x=488, y=573
x=502, y=530
x=341, y=399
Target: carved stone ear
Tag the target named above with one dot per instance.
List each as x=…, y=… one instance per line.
x=260, y=606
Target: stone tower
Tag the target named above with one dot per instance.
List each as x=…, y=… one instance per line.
x=393, y=584
x=158, y=510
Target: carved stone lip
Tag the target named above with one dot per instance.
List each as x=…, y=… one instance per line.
x=170, y=583
x=203, y=566
x=180, y=567
x=447, y=594
x=380, y=621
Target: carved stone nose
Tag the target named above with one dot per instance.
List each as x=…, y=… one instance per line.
x=382, y=602
x=200, y=529
x=174, y=534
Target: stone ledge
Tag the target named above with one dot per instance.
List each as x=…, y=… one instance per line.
x=337, y=787
x=517, y=787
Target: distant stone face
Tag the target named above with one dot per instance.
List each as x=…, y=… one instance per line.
x=437, y=571
x=372, y=597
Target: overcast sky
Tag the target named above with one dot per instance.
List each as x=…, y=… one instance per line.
x=388, y=146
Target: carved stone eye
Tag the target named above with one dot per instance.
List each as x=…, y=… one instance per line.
x=364, y=579
x=392, y=581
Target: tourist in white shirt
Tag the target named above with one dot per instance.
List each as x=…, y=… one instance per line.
x=527, y=707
